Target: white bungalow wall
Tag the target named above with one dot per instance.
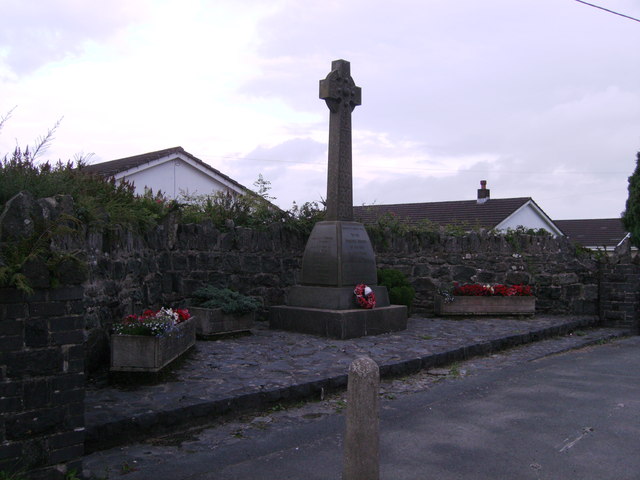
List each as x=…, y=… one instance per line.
x=173, y=178
x=529, y=217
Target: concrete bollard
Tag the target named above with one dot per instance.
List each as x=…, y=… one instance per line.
x=361, y=442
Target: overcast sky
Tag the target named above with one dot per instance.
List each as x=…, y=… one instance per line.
x=539, y=97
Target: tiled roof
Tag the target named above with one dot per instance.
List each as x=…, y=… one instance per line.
x=113, y=167
x=596, y=232
x=464, y=212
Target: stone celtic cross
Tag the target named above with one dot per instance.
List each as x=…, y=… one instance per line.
x=342, y=96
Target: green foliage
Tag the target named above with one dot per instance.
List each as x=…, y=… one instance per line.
x=226, y=209
x=97, y=202
x=402, y=295
x=400, y=290
x=303, y=218
x=262, y=188
x=458, y=229
x=631, y=214
x=581, y=251
x=36, y=248
x=390, y=224
x=230, y=302
x=521, y=230
x=513, y=235
x=12, y=476
x=386, y=225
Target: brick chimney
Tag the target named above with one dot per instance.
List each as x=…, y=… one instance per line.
x=483, y=192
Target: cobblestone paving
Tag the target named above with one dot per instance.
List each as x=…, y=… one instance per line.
x=269, y=360
x=133, y=459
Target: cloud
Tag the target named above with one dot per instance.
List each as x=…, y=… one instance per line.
x=37, y=33
x=539, y=97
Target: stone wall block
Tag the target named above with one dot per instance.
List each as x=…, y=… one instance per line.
x=484, y=276
x=41, y=309
x=179, y=262
x=565, y=278
x=71, y=271
x=266, y=280
x=28, y=363
x=12, y=311
x=231, y=264
x=37, y=272
x=11, y=326
x=37, y=393
x=227, y=241
x=66, y=293
x=574, y=291
x=271, y=264
x=462, y=273
x=10, y=454
x=64, y=323
x=250, y=264
x=421, y=270
x=36, y=332
x=30, y=424
x=217, y=279
x=69, y=337
x=518, y=278
x=591, y=292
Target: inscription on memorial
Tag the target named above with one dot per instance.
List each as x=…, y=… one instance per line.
x=319, y=264
x=358, y=258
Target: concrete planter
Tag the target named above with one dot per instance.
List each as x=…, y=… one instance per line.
x=486, y=306
x=212, y=322
x=142, y=353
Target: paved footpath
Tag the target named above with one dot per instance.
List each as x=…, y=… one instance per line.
x=302, y=439
x=270, y=368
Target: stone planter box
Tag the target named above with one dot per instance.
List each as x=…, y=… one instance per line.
x=211, y=322
x=142, y=353
x=486, y=306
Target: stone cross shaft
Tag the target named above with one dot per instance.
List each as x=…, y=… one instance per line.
x=340, y=93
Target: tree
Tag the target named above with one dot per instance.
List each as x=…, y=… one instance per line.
x=631, y=215
x=263, y=186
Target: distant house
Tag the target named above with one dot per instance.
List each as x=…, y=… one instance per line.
x=172, y=171
x=597, y=234
x=484, y=212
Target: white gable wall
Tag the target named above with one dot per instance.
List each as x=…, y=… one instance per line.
x=529, y=216
x=176, y=175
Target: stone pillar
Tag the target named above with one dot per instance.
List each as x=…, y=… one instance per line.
x=362, y=437
x=42, y=381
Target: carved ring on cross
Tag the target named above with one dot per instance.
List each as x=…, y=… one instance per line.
x=339, y=89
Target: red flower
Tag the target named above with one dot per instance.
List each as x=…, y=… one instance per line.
x=476, y=290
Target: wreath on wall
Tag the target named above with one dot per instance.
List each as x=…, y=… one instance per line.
x=365, y=296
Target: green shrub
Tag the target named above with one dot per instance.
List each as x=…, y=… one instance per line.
x=400, y=290
x=230, y=302
x=402, y=295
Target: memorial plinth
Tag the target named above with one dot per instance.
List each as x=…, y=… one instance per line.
x=338, y=255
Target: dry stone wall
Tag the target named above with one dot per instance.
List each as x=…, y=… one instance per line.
x=565, y=279
x=48, y=340
x=127, y=272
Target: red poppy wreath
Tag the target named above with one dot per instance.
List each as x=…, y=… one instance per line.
x=365, y=296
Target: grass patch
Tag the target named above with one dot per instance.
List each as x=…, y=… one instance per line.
x=454, y=370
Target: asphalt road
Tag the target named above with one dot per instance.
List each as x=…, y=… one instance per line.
x=569, y=416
